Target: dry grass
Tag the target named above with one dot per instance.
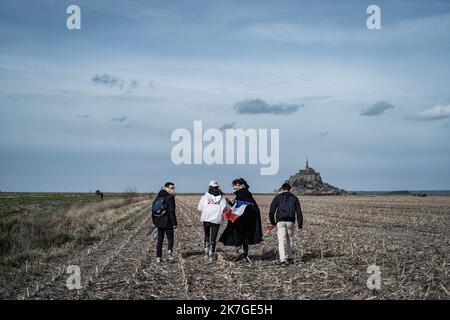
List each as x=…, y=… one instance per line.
x=38, y=233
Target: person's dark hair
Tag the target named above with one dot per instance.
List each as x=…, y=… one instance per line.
x=240, y=181
x=286, y=186
x=168, y=184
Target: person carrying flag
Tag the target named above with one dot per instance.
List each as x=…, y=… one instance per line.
x=212, y=205
x=244, y=220
x=286, y=206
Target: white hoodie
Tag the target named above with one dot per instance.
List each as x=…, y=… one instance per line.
x=211, y=208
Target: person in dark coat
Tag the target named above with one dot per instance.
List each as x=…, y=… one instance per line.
x=246, y=230
x=284, y=208
x=166, y=222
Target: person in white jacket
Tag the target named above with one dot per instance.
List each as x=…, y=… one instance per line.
x=212, y=205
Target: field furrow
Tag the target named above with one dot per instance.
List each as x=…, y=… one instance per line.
x=407, y=238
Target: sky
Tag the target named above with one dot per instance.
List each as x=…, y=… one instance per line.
x=94, y=108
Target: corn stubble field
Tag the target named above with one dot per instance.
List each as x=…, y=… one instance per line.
x=41, y=234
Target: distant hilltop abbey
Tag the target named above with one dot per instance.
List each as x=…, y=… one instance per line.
x=308, y=181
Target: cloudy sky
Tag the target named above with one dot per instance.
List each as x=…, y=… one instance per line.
x=95, y=108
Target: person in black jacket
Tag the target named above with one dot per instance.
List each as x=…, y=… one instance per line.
x=246, y=230
x=286, y=206
x=166, y=222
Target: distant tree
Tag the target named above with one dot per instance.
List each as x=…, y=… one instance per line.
x=99, y=193
x=130, y=194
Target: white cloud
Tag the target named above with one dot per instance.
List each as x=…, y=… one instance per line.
x=434, y=113
x=430, y=30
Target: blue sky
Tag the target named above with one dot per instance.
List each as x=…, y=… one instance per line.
x=94, y=108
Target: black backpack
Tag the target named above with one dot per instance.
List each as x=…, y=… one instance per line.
x=286, y=207
x=159, y=206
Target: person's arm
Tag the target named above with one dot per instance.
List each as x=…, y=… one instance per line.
x=273, y=209
x=171, y=210
x=298, y=209
x=174, y=220
x=225, y=202
x=201, y=204
x=230, y=203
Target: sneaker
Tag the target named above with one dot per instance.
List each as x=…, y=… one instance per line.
x=170, y=256
x=241, y=255
x=211, y=259
x=158, y=260
x=283, y=263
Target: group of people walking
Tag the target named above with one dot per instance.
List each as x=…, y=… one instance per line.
x=244, y=225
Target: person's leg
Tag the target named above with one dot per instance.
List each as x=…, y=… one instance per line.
x=169, y=233
x=214, y=232
x=290, y=235
x=159, y=244
x=240, y=252
x=245, y=247
x=207, y=229
x=238, y=233
x=281, y=232
x=170, y=239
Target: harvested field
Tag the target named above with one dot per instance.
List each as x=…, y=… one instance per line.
x=406, y=237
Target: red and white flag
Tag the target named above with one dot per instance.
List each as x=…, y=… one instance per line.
x=236, y=211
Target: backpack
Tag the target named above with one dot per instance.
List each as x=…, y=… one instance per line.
x=159, y=206
x=286, y=207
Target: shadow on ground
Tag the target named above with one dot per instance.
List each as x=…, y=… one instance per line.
x=270, y=255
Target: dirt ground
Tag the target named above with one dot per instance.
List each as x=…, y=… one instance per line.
x=406, y=237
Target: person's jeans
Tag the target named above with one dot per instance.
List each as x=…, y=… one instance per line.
x=285, y=231
x=211, y=232
x=159, y=245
